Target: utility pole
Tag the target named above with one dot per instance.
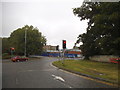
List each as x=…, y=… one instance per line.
x=25, y=41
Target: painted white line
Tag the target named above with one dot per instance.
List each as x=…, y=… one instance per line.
x=53, y=66
x=67, y=85
x=58, y=78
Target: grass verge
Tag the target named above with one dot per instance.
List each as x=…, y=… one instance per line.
x=107, y=71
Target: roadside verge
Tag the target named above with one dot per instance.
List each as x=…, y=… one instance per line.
x=88, y=70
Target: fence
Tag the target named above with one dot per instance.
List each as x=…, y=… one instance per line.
x=54, y=54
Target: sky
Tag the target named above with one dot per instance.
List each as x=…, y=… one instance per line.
x=54, y=19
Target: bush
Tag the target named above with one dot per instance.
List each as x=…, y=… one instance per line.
x=6, y=56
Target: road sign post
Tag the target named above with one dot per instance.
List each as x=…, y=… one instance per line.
x=63, y=52
x=63, y=56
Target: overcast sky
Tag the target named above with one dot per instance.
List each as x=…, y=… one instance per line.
x=54, y=18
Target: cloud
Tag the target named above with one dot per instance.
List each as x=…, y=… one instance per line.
x=54, y=18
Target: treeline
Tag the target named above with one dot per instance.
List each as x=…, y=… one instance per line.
x=103, y=31
x=34, y=41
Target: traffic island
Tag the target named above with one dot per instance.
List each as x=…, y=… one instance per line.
x=107, y=72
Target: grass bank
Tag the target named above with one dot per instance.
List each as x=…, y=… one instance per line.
x=107, y=71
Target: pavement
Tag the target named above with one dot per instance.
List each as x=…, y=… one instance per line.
x=40, y=73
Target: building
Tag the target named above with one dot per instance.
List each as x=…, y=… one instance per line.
x=49, y=47
x=50, y=51
x=73, y=53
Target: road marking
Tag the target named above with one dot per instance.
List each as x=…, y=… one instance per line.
x=58, y=78
x=67, y=85
x=53, y=66
x=61, y=79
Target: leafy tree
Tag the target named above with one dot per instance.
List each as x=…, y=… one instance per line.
x=102, y=36
x=5, y=45
x=34, y=40
x=0, y=46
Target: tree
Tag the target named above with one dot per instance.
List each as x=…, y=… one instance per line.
x=5, y=45
x=34, y=44
x=0, y=46
x=102, y=36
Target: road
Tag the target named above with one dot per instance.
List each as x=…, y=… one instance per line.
x=39, y=73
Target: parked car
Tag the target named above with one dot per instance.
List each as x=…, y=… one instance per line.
x=115, y=60
x=19, y=58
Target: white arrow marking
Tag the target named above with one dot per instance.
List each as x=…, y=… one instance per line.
x=58, y=78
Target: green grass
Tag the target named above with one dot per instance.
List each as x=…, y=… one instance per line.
x=109, y=71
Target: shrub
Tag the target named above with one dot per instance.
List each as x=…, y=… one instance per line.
x=6, y=56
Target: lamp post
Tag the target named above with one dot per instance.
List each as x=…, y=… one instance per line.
x=25, y=41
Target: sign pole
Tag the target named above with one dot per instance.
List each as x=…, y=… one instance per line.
x=64, y=47
x=63, y=56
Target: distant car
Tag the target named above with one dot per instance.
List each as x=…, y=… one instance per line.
x=115, y=60
x=19, y=58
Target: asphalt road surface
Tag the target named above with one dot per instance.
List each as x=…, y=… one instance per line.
x=39, y=73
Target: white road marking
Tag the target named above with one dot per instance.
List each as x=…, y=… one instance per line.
x=53, y=66
x=58, y=78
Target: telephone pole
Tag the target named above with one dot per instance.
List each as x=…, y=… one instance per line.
x=25, y=40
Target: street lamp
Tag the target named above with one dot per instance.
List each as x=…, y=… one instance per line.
x=25, y=40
